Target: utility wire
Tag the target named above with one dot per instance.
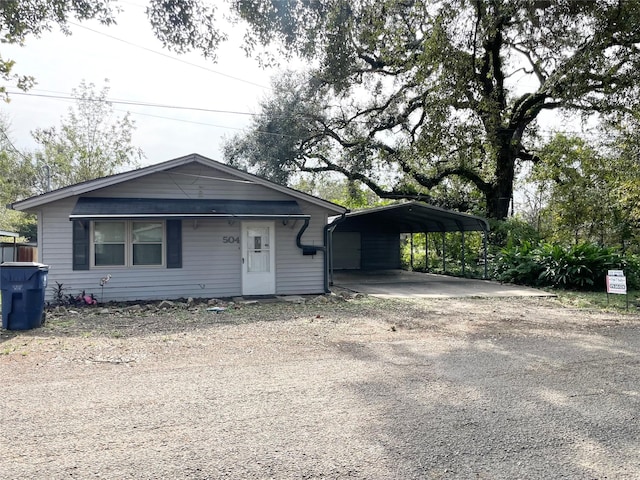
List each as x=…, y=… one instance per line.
x=61, y=96
x=546, y=134
x=169, y=56
x=154, y=105
x=13, y=147
x=131, y=102
x=193, y=122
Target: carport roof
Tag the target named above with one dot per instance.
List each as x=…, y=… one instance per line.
x=411, y=217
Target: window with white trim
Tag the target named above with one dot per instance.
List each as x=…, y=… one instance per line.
x=127, y=243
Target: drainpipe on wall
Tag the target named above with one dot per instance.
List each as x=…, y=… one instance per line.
x=328, y=241
x=313, y=249
x=307, y=249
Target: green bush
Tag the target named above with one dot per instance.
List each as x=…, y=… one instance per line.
x=582, y=267
x=631, y=266
x=517, y=264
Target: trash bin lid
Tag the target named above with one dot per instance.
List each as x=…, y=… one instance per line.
x=40, y=266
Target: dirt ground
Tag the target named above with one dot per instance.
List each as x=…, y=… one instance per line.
x=362, y=388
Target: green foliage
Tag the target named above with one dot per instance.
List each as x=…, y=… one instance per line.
x=586, y=188
x=516, y=264
x=580, y=267
x=596, y=300
x=185, y=25
x=349, y=194
x=453, y=254
x=510, y=233
x=90, y=143
x=625, y=150
x=406, y=96
x=17, y=176
x=270, y=148
x=20, y=19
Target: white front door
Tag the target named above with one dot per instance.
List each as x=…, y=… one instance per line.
x=258, y=258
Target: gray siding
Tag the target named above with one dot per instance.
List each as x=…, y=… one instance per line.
x=297, y=273
x=190, y=181
x=210, y=269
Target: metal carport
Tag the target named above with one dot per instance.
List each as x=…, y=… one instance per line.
x=380, y=227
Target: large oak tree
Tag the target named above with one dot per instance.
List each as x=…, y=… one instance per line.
x=410, y=96
x=407, y=96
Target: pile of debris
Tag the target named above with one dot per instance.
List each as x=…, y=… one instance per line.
x=194, y=305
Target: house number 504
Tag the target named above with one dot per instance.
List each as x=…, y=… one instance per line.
x=230, y=239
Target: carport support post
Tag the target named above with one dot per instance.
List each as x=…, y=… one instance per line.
x=444, y=252
x=411, y=243
x=463, y=262
x=484, y=246
x=426, y=252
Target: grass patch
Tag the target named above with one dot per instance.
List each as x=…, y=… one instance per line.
x=61, y=323
x=8, y=350
x=598, y=300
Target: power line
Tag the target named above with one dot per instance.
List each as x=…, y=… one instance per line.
x=143, y=104
x=193, y=122
x=65, y=97
x=13, y=147
x=133, y=103
x=156, y=52
x=61, y=96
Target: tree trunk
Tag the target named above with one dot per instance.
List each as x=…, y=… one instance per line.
x=500, y=195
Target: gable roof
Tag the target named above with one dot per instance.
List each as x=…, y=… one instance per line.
x=411, y=217
x=98, y=183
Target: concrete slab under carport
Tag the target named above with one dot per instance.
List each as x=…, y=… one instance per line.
x=404, y=284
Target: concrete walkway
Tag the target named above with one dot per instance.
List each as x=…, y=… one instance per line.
x=403, y=284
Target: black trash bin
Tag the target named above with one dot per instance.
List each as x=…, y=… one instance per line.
x=23, y=287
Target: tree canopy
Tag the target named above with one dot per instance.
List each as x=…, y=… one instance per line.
x=181, y=25
x=413, y=98
x=17, y=175
x=20, y=19
x=91, y=142
x=408, y=96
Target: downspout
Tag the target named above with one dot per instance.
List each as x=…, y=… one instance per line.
x=307, y=249
x=328, y=240
x=313, y=249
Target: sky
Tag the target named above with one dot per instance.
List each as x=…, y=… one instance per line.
x=125, y=55
x=139, y=70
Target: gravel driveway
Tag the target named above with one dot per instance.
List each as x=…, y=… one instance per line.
x=364, y=388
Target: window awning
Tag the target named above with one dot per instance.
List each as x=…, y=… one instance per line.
x=88, y=208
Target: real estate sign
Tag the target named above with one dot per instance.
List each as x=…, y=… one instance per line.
x=616, y=282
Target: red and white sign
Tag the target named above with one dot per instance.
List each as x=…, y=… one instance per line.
x=616, y=282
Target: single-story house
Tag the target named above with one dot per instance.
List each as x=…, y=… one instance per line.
x=188, y=227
